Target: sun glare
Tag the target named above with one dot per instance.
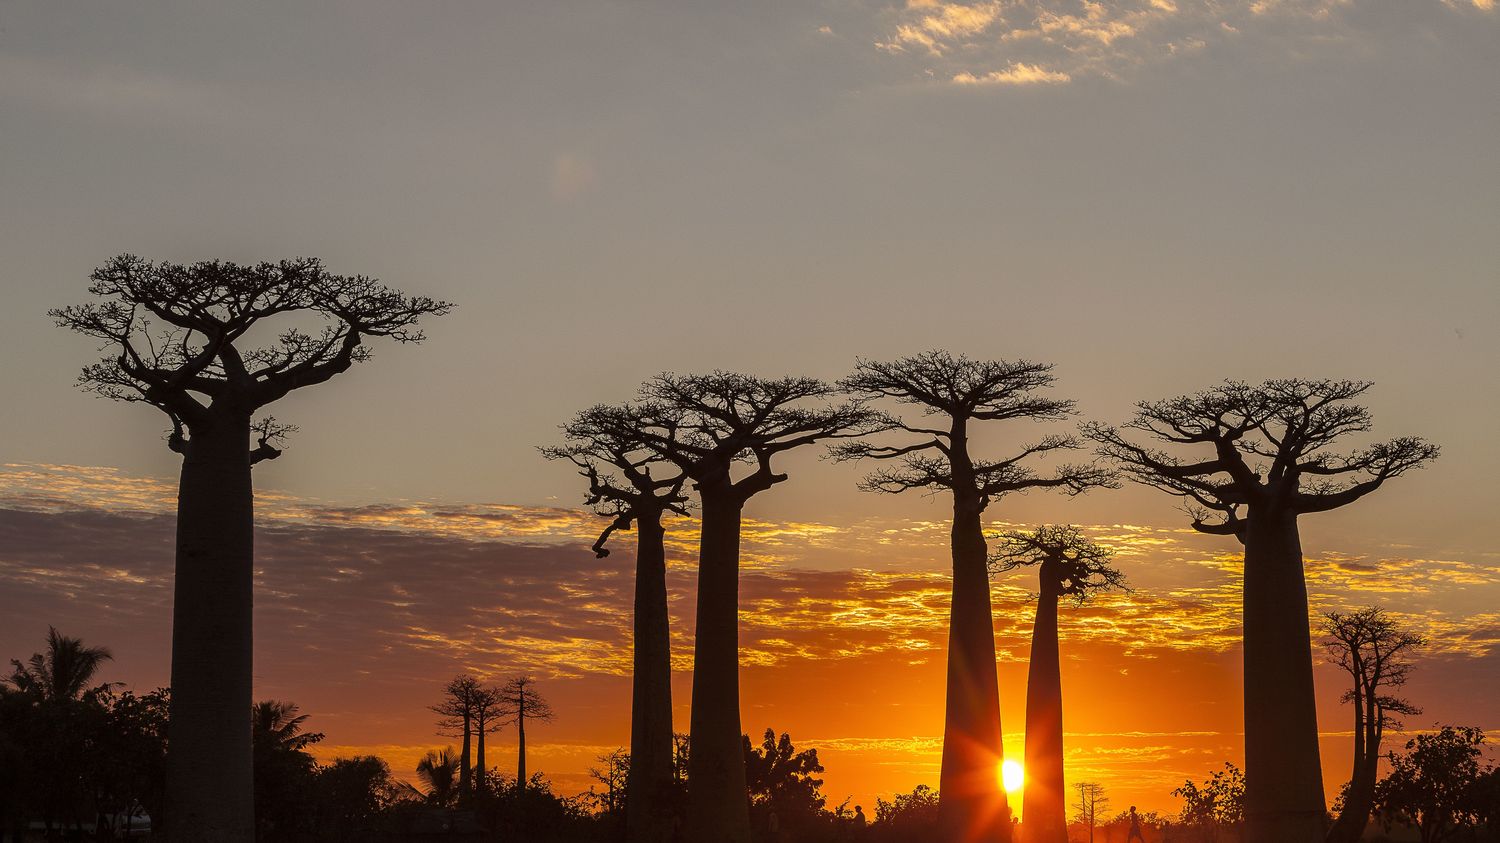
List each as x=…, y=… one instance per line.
x=1012, y=775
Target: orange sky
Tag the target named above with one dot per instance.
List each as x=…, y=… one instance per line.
x=363, y=611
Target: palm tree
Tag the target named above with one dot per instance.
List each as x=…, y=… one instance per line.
x=63, y=672
x=276, y=725
x=438, y=770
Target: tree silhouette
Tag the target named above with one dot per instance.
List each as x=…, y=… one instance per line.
x=488, y=719
x=706, y=426
x=1375, y=652
x=1091, y=805
x=781, y=777
x=438, y=770
x=284, y=770
x=194, y=369
x=460, y=696
x=602, y=441
x=518, y=703
x=958, y=393
x=63, y=672
x=1436, y=784
x=1217, y=804
x=1267, y=456
x=1069, y=565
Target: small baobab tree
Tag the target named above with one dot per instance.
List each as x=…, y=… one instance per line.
x=175, y=337
x=1375, y=651
x=518, y=703
x=603, y=443
x=707, y=427
x=457, y=710
x=1266, y=462
x=958, y=394
x=1068, y=565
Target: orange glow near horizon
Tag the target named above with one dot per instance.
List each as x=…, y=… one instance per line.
x=1012, y=775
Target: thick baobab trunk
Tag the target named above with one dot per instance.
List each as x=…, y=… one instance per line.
x=1044, y=808
x=648, y=810
x=209, y=791
x=972, y=805
x=718, y=809
x=464, y=790
x=1283, y=772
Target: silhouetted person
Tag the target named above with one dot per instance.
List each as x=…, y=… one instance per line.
x=1135, y=827
x=859, y=817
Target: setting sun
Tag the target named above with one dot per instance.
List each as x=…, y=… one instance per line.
x=1012, y=775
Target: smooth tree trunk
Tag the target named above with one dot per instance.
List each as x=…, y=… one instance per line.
x=972, y=805
x=648, y=786
x=1359, y=799
x=1283, y=771
x=479, y=771
x=464, y=789
x=209, y=780
x=718, y=807
x=1044, y=806
x=521, y=753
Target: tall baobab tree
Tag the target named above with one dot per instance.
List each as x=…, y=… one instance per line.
x=957, y=393
x=1068, y=565
x=1266, y=463
x=460, y=697
x=518, y=703
x=173, y=335
x=707, y=427
x=621, y=487
x=488, y=719
x=1375, y=651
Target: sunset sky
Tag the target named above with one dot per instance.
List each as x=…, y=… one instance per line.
x=1152, y=195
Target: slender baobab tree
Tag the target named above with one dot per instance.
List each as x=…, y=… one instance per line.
x=173, y=338
x=460, y=696
x=621, y=487
x=956, y=393
x=1068, y=565
x=1266, y=464
x=518, y=703
x=1376, y=653
x=488, y=719
x=707, y=427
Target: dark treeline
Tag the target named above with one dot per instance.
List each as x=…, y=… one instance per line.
x=1246, y=461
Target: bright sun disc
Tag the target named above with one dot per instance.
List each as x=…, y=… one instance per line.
x=1011, y=774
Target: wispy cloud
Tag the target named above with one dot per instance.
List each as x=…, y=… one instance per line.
x=1057, y=41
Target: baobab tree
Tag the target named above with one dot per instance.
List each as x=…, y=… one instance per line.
x=488, y=719
x=173, y=335
x=602, y=443
x=518, y=703
x=1267, y=463
x=460, y=697
x=957, y=393
x=1375, y=651
x=707, y=427
x=1068, y=565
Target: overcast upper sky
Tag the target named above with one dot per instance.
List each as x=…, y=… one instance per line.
x=1152, y=195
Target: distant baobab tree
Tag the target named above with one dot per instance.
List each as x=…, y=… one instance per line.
x=1267, y=458
x=1069, y=565
x=706, y=426
x=457, y=708
x=172, y=335
x=1090, y=806
x=1375, y=651
x=958, y=393
x=603, y=442
x=518, y=703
